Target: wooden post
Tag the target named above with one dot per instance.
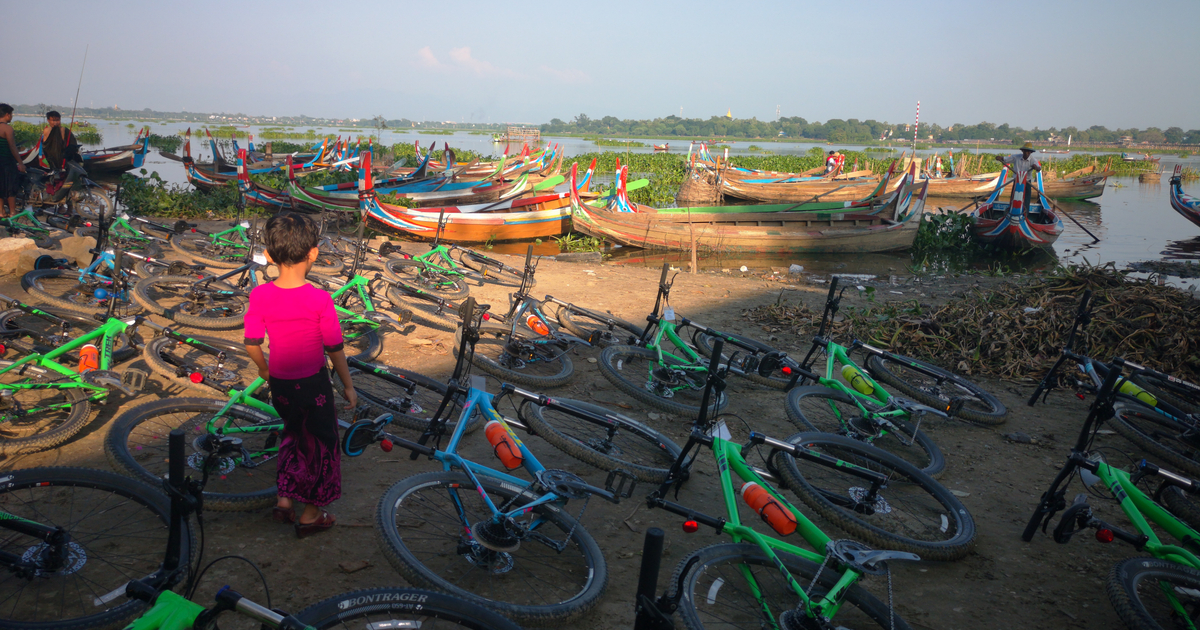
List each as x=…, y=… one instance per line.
x=692, y=231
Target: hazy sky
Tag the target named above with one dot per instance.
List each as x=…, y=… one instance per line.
x=1102, y=62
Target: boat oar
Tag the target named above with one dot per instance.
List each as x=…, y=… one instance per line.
x=812, y=199
x=1060, y=209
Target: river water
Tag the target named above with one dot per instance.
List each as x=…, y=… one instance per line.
x=1133, y=220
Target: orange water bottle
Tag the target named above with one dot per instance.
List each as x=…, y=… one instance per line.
x=536, y=324
x=857, y=380
x=89, y=358
x=503, y=445
x=778, y=517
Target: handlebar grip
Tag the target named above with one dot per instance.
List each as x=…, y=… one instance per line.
x=467, y=311
x=833, y=282
x=666, y=268
x=175, y=457
x=528, y=255
x=715, y=361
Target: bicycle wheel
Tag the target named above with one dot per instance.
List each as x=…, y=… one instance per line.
x=492, y=270
x=632, y=446
x=1182, y=506
x=203, y=250
x=610, y=330
x=137, y=443
x=716, y=591
x=979, y=406
x=186, y=365
x=425, y=311
x=1146, y=591
x=517, y=358
x=425, y=524
x=64, y=289
x=92, y=203
x=37, y=419
x=778, y=380
x=426, y=277
x=384, y=396
x=30, y=333
x=830, y=411
x=211, y=306
x=400, y=608
x=138, y=244
x=118, y=529
x=667, y=387
x=912, y=512
x=1175, y=443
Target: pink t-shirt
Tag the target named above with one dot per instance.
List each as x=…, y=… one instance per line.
x=301, y=323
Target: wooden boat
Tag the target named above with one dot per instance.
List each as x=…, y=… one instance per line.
x=888, y=224
x=1081, y=184
x=258, y=194
x=109, y=161
x=1139, y=157
x=659, y=148
x=1010, y=224
x=541, y=216
x=1181, y=202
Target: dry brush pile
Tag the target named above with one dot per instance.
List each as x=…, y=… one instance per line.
x=1016, y=331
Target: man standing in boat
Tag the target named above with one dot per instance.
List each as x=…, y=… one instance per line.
x=58, y=143
x=833, y=163
x=1022, y=165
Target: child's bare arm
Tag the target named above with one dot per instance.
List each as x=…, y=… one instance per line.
x=338, y=358
x=256, y=355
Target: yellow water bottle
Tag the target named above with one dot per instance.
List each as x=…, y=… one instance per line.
x=1130, y=389
x=857, y=380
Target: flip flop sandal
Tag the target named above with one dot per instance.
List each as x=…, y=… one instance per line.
x=324, y=523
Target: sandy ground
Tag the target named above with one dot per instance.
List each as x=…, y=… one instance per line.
x=1005, y=583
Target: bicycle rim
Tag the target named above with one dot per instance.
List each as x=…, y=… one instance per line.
x=383, y=396
x=632, y=446
x=37, y=419
x=400, y=608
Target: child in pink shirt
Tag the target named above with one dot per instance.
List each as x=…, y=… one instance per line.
x=303, y=327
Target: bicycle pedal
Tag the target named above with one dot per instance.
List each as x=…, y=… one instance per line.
x=381, y=318
x=626, y=482
x=134, y=379
x=107, y=379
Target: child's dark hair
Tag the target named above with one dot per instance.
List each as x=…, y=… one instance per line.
x=290, y=236
x=51, y=115
x=5, y=109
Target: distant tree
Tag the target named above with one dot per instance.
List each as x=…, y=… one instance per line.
x=1152, y=135
x=1174, y=135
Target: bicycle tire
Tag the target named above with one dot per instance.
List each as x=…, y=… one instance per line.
x=707, y=580
x=351, y=610
x=1170, y=441
x=237, y=371
x=636, y=448
x=827, y=410
x=62, y=288
x=92, y=203
x=621, y=364
x=201, y=249
x=423, y=311
x=980, y=407
x=383, y=396
x=1142, y=608
x=912, y=503
x=494, y=354
x=145, y=429
x=362, y=339
x=497, y=272
x=704, y=345
x=21, y=435
x=418, y=274
x=1182, y=506
x=123, y=519
x=583, y=323
x=140, y=244
x=178, y=299
x=44, y=334
x=572, y=591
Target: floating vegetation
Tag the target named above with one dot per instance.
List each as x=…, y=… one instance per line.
x=1189, y=173
x=170, y=144
x=610, y=142
x=1016, y=331
x=151, y=196
x=434, y=132
x=573, y=242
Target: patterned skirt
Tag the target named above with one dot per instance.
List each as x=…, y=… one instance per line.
x=309, y=464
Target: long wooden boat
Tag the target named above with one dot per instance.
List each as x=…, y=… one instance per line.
x=889, y=224
x=540, y=216
x=1010, y=224
x=257, y=194
x=1183, y=203
x=1139, y=157
x=1082, y=184
x=108, y=161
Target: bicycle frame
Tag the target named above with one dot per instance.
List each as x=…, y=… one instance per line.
x=107, y=333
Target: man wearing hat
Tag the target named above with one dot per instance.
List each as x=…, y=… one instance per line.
x=1023, y=163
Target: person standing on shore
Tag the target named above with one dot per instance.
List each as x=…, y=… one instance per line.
x=11, y=166
x=303, y=327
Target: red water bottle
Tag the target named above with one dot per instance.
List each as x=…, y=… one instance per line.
x=503, y=445
x=89, y=358
x=778, y=517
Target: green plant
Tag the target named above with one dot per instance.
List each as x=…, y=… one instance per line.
x=151, y=196
x=574, y=242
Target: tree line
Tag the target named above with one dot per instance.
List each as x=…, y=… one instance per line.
x=854, y=130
